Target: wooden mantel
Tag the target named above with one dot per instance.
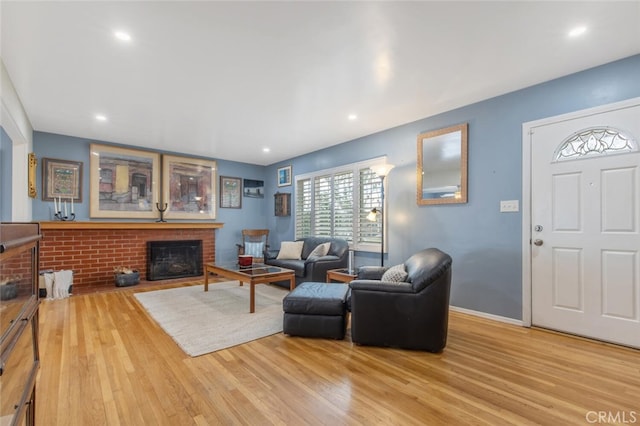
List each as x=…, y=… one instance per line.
x=57, y=224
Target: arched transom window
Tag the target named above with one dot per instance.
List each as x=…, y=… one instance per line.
x=595, y=141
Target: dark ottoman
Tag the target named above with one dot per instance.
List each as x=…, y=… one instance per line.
x=316, y=310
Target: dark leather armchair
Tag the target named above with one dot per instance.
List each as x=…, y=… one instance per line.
x=410, y=315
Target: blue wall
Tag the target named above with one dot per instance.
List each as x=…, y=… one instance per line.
x=251, y=215
x=6, y=171
x=486, y=245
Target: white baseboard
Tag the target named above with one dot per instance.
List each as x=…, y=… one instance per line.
x=487, y=316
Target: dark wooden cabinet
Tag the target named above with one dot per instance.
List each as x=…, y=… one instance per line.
x=19, y=354
x=282, y=202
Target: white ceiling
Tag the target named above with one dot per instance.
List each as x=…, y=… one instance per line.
x=227, y=79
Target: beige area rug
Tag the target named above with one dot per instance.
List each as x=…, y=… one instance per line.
x=201, y=322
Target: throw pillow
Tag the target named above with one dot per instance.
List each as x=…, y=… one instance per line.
x=395, y=274
x=254, y=249
x=290, y=250
x=320, y=250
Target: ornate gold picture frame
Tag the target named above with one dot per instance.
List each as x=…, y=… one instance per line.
x=33, y=167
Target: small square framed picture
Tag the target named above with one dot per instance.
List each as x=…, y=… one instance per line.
x=61, y=179
x=253, y=188
x=284, y=176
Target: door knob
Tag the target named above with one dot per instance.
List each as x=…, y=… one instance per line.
x=537, y=242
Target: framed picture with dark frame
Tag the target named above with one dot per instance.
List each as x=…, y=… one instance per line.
x=188, y=188
x=253, y=188
x=123, y=183
x=62, y=180
x=284, y=176
x=230, y=192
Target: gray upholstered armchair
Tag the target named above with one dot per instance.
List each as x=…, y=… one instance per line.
x=410, y=314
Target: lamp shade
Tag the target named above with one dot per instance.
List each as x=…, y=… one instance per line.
x=382, y=169
x=373, y=215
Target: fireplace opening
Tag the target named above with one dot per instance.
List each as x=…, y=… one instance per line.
x=174, y=259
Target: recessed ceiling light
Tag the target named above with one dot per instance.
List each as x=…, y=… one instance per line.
x=122, y=36
x=101, y=117
x=266, y=149
x=352, y=117
x=577, y=31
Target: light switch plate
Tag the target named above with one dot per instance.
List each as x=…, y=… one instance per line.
x=508, y=206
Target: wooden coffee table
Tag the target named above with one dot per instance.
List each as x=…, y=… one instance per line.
x=252, y=275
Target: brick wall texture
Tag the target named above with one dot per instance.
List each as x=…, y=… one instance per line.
x=92, y=254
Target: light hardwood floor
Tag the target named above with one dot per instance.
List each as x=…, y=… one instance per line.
x=106, y=362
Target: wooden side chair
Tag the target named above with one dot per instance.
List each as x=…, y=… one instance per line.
x=254, y=243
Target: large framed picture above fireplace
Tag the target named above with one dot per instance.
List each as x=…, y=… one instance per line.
x=123, y=183
x=188, y=188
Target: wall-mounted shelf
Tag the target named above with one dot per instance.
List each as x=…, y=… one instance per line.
x=282, y=203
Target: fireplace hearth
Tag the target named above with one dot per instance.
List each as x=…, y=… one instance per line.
x=174, y=259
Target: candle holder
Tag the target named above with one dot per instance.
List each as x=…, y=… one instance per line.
x=65, y=218
x=161, y=210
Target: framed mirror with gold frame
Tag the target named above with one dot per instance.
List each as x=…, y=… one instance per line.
x=442, y=166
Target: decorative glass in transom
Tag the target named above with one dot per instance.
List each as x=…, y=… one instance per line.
x=595, y=141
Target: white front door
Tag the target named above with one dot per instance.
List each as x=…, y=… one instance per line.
x=585, y=219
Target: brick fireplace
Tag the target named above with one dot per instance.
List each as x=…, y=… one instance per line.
x=93, y=249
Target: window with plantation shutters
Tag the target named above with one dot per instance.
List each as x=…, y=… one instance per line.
x=303, y=208
x=322, y=202
x=343, y=205
x=370, y=197
x=336, y=202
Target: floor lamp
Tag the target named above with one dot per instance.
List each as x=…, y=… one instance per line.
x=381, y=171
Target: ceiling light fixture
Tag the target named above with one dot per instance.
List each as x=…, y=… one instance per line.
x=101, y=117
x=577, y=31
x=352, y=117
x=266, y=150
x=122, y=36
